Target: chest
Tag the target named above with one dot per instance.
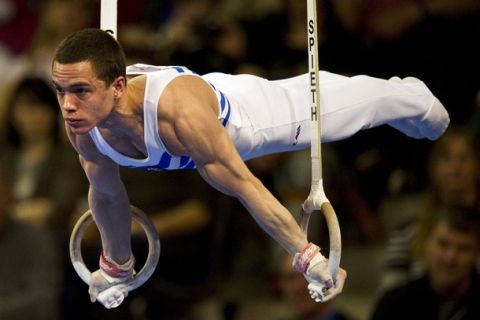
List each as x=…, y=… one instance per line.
x=130, y=144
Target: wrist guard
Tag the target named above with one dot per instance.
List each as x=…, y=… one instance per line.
x=113, y=270
x=301, y=260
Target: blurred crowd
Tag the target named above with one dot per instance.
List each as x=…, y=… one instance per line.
x=387, y=189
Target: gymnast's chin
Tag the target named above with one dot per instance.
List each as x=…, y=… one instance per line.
x=77, y=126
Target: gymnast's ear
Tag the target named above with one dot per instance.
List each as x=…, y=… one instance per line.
x=119, y=85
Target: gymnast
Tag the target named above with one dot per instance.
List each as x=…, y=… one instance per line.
x=169, y=118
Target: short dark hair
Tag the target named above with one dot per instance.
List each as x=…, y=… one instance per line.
x=463, y=219
x=97, y=47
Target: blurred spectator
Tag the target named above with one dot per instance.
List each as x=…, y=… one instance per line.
x=18, y=19
x=30, y=271
x=195, y=33
x=48, y=179
x=454, y=174
x=450, y=286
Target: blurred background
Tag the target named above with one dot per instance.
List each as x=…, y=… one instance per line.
x=216, y=263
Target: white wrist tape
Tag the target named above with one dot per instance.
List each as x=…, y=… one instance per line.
x=301, y=260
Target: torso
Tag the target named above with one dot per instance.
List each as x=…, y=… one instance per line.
x=124, y=138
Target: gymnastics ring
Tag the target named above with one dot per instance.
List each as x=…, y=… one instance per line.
x=333, y=234
x=139, y=278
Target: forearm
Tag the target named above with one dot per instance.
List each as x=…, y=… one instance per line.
x=113, y=218
x=274, y=218
x=236, y=180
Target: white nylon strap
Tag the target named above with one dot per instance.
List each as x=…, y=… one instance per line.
x=108, y=16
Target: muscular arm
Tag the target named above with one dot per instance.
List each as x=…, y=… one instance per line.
x=107, y=199
x=230, y=175
x=196, y=131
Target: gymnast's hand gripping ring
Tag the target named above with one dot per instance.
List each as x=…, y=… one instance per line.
x=106, y=297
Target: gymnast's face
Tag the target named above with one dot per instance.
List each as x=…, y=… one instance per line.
x=85, y=100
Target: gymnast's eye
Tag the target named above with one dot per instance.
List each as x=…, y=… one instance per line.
x=59, y=91
x=80, y=91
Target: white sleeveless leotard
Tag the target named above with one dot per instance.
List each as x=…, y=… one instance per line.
x=263, y=116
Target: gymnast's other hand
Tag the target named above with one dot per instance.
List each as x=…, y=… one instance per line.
x=108, y=275
x=321, y=285
x=99, y=283
x=314, y=266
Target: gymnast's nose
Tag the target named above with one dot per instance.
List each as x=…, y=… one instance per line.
x=67, y=103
